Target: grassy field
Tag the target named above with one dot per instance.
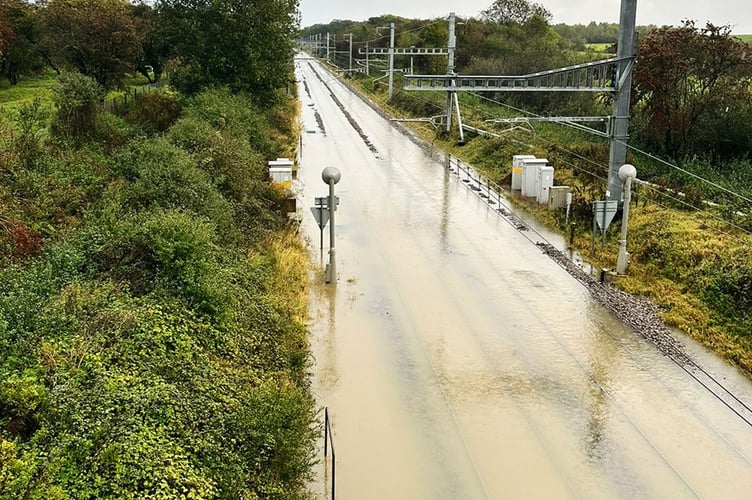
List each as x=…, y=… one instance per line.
x=598, y=47
x=28, y=89
x=746, y=38
x=13, y=96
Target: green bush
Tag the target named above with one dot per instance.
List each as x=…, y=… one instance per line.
x=162, y=175
x=77, y=98
x=155, y=111
x=729, y=291
x=194, y=135
x=112, y=132
x=233, y=166
x=165, y=251
x=63, y=184
x=33, y=122
x=235, y=114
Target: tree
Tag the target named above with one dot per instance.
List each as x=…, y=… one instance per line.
x=96, y=37
x=19, y=52
x=689, y=76
x=510, y=49
x=515, y=12
x=154, y=49
x=7, y=35
x=247, y=46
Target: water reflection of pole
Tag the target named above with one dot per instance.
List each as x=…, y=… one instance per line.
x=330, y=377
x=444, y=224
x=604, y=355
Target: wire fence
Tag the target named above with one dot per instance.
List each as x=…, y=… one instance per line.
x=119, y=103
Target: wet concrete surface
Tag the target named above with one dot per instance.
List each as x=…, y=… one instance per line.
x=459, y=361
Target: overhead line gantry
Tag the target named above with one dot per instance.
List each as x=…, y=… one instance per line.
x=612, y=75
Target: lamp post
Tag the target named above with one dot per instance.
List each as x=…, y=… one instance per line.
x=331, y=176
x=627, y=172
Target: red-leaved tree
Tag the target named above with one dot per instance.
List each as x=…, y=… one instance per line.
x=689, y=85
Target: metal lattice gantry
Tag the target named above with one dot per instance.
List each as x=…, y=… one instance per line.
x=406, y=51
x=607, y=75
x=391, y=51
x=610, y=75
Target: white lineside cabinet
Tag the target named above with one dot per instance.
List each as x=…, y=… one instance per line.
x=280, y=172
x=544, y=182
x=530, y=169
x=517, y=163
x=558, y=196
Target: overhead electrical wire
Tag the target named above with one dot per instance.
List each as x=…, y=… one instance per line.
x=648, y=186
x=633, y=148
x=397, y=33
x=691, y=174
x=687, y=365
x=597, y=164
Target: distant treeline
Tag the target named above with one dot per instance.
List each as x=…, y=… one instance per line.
x=579, y=35
x=245, y=45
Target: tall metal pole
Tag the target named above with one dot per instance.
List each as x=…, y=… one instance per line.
x=368, y=70
x=331, y=176
x=327, y=46
x=451, y=46
x=620, y=118
x=350, y=68
x=626, y=173
x=391, y=62
x=332, y=210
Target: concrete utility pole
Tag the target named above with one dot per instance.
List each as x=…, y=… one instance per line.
x=327, y=46
x=349, y=71
x=368, y=70
x=451, y=46
x=391, y=62
x=620, y=118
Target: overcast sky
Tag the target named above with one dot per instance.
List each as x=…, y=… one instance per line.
x=737, y=13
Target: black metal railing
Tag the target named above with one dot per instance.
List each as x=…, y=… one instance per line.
x=329, y=446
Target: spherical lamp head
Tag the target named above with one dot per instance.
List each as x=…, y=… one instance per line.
x=627, y=171
x=331, y=174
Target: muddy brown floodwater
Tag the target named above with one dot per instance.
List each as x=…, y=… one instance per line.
x=460, y=362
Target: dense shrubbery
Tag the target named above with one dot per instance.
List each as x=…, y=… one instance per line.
x=152, y=340
x=77, y=101
x=156, y=111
